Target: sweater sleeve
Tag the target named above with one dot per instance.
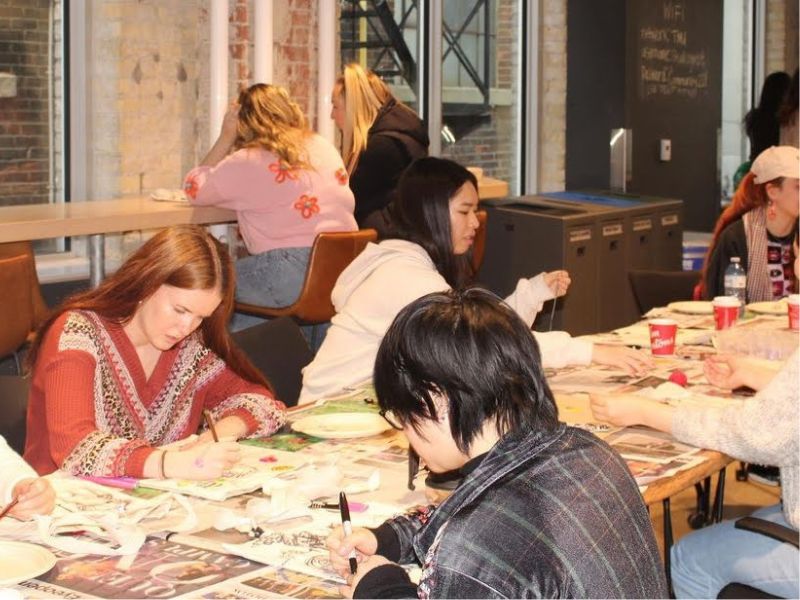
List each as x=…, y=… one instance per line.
x=230, y=395
x=529, y=296
x=558, y=348
x=762, y=429
x=14, y=470
x=76, y=443
x=226, y=185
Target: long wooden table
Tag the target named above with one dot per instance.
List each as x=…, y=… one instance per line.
x=97, y=218
x=488, y=188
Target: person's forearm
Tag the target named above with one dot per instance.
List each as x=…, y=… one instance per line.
x=655, y=415
x=218, y=151
x=760, y=374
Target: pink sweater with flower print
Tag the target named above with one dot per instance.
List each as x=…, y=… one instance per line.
x=278, y=207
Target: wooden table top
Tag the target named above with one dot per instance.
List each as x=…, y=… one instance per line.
x=42, y=221
x=489, y=187
x=574, y=408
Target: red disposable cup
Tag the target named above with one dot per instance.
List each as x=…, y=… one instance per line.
x=794, y=311
x=662, y=336
x=726, y=311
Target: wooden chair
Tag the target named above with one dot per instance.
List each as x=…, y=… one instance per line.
x=330, y=254
x=16, y=305
x=11, y=249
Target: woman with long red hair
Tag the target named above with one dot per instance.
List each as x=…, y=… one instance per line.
x=128, y=367
x=759, y=226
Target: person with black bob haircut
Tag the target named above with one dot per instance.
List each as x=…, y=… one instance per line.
x=543, y=510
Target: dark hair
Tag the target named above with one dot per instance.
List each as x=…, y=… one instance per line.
x=788, y=108
x=772, y=96
x=182, y=256
x=473, y=349
x=421, y=213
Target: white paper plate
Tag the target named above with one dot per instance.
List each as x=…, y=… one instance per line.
x=692, y=307
x=342, y=425
x=20, y=561
x=779, y=307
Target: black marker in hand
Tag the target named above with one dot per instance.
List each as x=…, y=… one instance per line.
x=344, y=509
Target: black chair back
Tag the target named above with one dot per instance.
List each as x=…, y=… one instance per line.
x=659, y=288
x=278, y=349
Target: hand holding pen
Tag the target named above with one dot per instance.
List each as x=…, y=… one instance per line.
x=30, y=497
x=348, y=546
x=344, y=509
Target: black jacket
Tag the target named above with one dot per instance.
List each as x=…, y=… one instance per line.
x=732, y=242
x=395, y=140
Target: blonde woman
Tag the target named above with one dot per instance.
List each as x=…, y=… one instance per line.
x=380, y=138
x=286, y=184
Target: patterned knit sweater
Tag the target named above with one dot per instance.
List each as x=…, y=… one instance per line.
x=763, y=429
x=92, y=410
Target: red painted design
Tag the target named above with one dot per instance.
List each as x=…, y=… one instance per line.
x=191, y=188
x=341, y=176
x=307, y=205
x=282, y=172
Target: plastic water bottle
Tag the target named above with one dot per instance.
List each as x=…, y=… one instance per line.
x=736, y=282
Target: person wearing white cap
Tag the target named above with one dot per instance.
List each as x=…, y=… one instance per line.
x=759, y=227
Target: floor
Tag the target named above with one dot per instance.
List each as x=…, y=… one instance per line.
x=741, y=498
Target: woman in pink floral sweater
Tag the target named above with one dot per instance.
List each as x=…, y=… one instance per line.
x=286, y=184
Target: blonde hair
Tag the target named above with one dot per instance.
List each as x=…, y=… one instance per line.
x=270, y=119
x=363, y=94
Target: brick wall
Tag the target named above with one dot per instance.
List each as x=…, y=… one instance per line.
x=781, y=34
x=24, y=121
x=295, y=52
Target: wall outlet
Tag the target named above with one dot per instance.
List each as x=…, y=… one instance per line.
x=665, y=150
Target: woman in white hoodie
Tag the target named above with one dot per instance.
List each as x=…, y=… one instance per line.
x=34, y=495
x=435, y=216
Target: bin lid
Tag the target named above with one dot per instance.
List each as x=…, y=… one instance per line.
x=592, y=199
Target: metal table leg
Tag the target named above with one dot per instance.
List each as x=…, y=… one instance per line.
x=719, y=498
x=668, y=544
x=97, y=259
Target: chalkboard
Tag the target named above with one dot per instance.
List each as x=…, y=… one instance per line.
x=673, y=91
x=671, y=54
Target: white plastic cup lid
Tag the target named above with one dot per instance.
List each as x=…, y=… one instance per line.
x=726, y=301
x=662, y=322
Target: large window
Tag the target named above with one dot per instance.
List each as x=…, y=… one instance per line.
x=478, y=82
x=481, y=99
x=31, y=101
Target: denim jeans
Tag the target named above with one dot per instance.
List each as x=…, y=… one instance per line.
x=273, y=278
x=707, y=560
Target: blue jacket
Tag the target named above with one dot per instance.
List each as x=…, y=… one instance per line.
x=545, y=514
